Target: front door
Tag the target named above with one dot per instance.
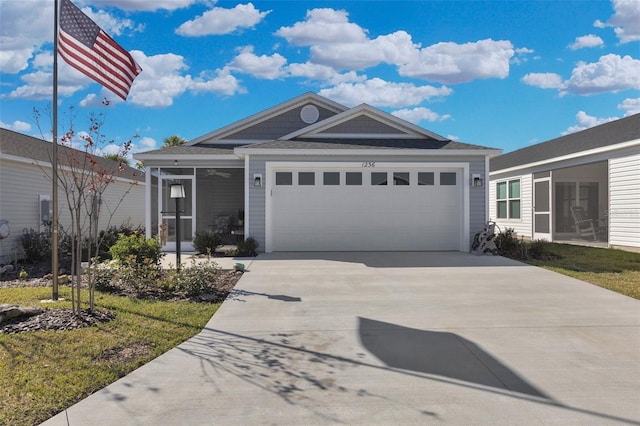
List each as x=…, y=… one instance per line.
x=167, y=212
x=542, y=206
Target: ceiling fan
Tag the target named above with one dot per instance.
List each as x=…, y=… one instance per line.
x=214, y=172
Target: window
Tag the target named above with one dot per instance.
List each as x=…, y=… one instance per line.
x=306, y=178
x=448, y=178
x=284, y=178
x=378, y=178
x=508, y=199
x=331, y=178
x=354, y=178
x=400, y=178
x=425, y=178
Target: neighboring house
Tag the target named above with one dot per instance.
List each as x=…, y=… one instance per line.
x=535, y=190
x=313, y=175
x=25, y=190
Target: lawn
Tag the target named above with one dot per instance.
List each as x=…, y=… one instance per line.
x=615, y=270
x=45, y=372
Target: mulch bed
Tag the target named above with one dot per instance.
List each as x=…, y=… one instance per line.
x=65, y=319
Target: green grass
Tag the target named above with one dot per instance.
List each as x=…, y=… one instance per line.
x=615, y=270
x=45, y=372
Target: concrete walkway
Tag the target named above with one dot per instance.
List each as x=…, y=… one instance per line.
x=392, y=338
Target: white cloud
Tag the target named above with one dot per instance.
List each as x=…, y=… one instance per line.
x=145, y=5
x=393, y=49
x=340, y=44
x=451, y=63
x=16, y=126
x=323, y=73
x=611, y=73
x=221, y=82
x=589, y=40
x=377, y=92
x=265, y=67
x=585, y=121
x=546, y=80
x=625, y=21
x=26, y=26
x=222, y=21
x=630, y=106
x=111, y=24
x=163, y=80
x=334, y=41
x=323, y=26
x=521, y=55
x=419, y=114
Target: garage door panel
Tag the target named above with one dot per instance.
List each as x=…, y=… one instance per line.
x=365, y=217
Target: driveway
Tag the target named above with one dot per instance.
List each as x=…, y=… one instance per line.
x=392, y=338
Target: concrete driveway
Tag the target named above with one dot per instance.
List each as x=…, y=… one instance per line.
x=392, y=338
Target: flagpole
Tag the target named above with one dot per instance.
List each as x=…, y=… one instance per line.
x=54, y=162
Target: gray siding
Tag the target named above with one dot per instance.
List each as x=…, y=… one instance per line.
x=362, y=124
x=278, y=126
x=22, y=183
x=257, y=225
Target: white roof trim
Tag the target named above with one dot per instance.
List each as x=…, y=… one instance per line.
x=571, y=156
x=366, y=110
x=365, y=152
x=165, y=157
x=269, y=113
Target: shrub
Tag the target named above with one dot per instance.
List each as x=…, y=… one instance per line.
x=109, y=237
x=36, y=245
x=103, y=275
x=206, y=241
x=197, y=279
x=508, y=243
x=135, y=249
x=247, y=247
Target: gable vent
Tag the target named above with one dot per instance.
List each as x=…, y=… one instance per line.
x=309, y=114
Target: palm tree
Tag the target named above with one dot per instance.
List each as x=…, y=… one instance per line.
x=173, y=140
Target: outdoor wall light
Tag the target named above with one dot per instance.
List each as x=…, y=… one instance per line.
x=257, y=180
x=476, y=181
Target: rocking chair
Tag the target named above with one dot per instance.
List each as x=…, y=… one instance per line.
x=585, y=226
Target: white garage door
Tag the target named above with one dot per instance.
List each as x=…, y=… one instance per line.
x=373, y=209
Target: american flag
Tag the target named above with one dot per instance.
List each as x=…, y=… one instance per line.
x=87, y=48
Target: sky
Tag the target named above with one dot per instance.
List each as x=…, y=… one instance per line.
x=502, y=74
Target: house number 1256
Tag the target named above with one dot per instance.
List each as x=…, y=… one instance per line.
x=368, y=164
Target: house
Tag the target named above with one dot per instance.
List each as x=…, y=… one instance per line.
x=25, y=191
x=313, y=175
x=583, y=186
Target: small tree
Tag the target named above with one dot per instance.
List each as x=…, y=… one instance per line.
x=84, y=179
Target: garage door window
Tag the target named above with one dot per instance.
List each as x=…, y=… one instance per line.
x=284, y=178
x=306, y=178
x=353, y=178
x=378, y=178
x=331, y=178
x=400, y=178
x=447, y=178
x=425, y=178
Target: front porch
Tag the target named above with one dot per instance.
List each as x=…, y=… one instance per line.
x=571, y=204
x=213, y=200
